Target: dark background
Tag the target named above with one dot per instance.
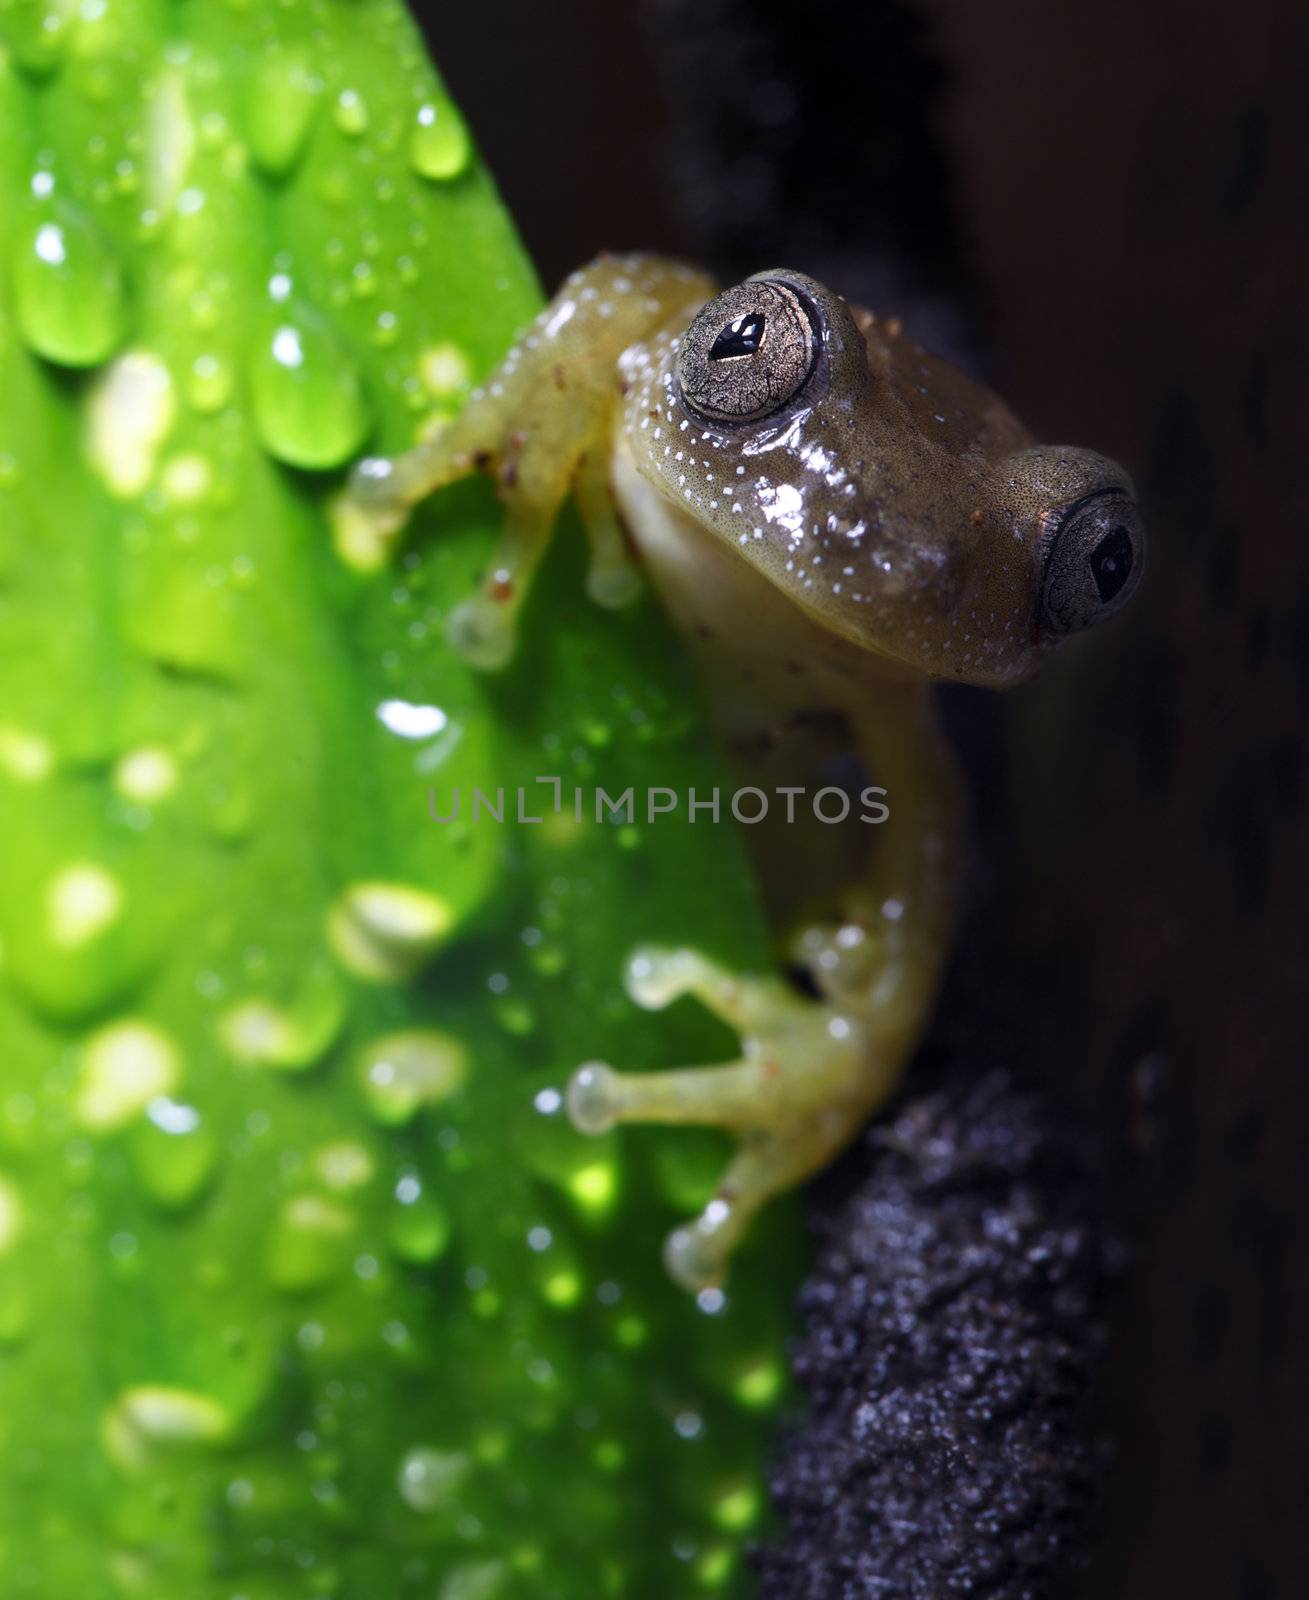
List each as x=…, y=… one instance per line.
x=1104, y=207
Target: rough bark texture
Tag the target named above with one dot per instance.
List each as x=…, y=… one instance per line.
x=950, y=1331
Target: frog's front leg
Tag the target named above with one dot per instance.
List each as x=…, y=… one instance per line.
x=811, y=1071
x=542, y=427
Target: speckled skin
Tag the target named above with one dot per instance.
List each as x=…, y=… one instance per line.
x=902, y=505
x=833, y=519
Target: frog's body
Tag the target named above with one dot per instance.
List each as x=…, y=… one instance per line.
x=833, y=518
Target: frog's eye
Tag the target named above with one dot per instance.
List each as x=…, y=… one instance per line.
x=749, y=353
x=1093, y=563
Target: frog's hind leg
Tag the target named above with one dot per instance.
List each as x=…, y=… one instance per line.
x=802, y=1084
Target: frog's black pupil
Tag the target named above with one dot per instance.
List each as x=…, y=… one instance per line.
x=740, y=338
x=1111, y=563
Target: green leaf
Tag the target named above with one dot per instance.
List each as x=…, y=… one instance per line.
x=301, y=1294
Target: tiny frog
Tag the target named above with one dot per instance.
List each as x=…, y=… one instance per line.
x=833, y=518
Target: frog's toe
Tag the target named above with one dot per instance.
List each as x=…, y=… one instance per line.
x=613, y=582
x=695, y=1259
x=376, y=483
x=698, y=1254
x=613, y=578
x=735, y=1094
x=387, y=488
x=481, y=631
x=593, y=1098
x=655, y=977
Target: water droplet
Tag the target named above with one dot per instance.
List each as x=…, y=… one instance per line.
x=548, y=960
x=515, y=1016
x=445, y=370
x=737, y=1508
x=187, y=479
x=288, y=1037
x=213, y=130
x=419, y=1229
x=25, y=757
x=130, y=410
x=124, y=1066
x=146, y=775
x=476, y=1580
x=343, y=1166
x=240, y=1493
x=38, y=31
x=203, y=310
x=715, y=1567
x=429, y=1480
x=283, y=95
x=173, y=1153
x=147, y=1424
x=594, y=1188
x=384, y=932
x=631, y=1332
x=350, y=113
x=401, y=1072
x=309, y=1243
x=333, y=186
x=363, y=281
x=209, y=384
x=309, y=403
x=69, y=292
x=559, y=1280
x=439, y=146
x=759, y=1384
x=688, y=1424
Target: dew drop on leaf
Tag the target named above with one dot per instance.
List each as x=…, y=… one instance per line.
x=309, y=403
x=439, y=146
x=173, y=1153
x=280, y=111
x=68, y=288
x=350, y=113
x=419, y=1229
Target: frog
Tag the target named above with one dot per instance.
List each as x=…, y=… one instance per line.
x=834, y=519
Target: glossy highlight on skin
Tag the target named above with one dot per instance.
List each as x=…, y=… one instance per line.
x=833, y=518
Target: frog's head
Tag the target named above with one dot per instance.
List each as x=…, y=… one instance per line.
x=899, y=502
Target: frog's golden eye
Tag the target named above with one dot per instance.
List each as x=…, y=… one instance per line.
x=749, y=353
x=1093, y=563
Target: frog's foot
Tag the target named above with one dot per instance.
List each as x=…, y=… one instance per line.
x=808, y=1075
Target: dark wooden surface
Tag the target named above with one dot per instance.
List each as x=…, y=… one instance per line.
x=1136, y=181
